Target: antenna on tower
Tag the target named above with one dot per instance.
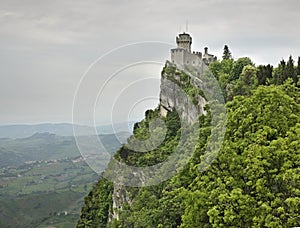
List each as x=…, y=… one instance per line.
x=187, y=26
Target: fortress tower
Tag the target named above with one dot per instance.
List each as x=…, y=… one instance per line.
x=184, y=41
x=182, y=55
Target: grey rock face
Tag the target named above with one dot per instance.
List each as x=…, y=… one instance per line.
x=173, y=97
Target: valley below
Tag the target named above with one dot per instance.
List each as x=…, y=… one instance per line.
x=43, y=180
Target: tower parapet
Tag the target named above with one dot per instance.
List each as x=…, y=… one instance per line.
x=184, y=41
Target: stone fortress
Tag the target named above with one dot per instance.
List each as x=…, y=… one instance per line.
x=183, y=56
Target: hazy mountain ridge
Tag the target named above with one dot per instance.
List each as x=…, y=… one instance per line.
x=47, y=146
x=60, y=129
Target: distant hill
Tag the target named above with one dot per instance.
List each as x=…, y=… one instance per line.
x=117, y=127
x=46, y=146
x=60, y=129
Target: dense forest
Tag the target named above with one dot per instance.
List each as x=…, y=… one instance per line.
x=253, y=182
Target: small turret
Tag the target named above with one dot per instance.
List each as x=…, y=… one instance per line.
x=208, y=58
x=206, y=50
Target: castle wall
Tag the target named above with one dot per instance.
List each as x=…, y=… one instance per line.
x=191, y=59
x=177, y=56
x=182, y=57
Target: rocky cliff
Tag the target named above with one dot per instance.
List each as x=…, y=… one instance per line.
x=177, y=89
x=180, y=91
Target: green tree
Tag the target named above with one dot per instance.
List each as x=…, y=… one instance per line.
x=222, y=70
x=216, y=68
x=264, y=74
x=255, y=180
x=247, y=81
x=290, y=70
x=238, y=67
x=280, y=74
x=97, y=206
x=298, y=66
x=226, y=53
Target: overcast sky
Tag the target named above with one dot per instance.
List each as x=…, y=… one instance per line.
x=47, y=46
